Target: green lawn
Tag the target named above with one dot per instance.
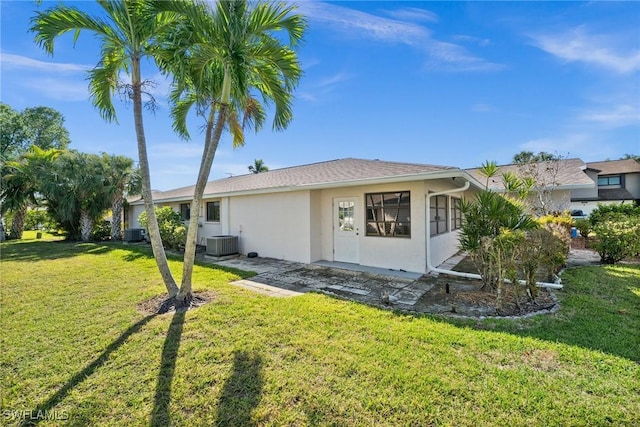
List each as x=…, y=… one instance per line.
x=75, y=348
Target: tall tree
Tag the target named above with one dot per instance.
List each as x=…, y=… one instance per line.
x=258, y=166
x=77, y=191
x=44, y=128
x=529, y=157
x=36, y=126
x=12, y=141
x=120, y=177
x=221, y=56
x=126, y=30
x=21, y=182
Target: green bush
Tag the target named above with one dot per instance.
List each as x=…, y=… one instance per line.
x=564, y=220
x=101, y=230
x=617, y=237
x=38, y=218
x=172, y=231
x=540, y=255
x=583, y=226
x=603, y=212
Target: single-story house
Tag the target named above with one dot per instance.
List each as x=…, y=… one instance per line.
x=376, y=213
x=558, y=180
x=615, y=182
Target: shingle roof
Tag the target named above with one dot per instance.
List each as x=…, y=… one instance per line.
x=570, y=174
x=329, y=173
x=614, y=167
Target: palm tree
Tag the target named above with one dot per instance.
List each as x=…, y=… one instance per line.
x=258, y=166
x=220, y=57
x=21, y=182
x=119, y=175
x=76, y=191
x=126, y=32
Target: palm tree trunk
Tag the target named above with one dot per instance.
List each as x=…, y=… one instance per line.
x=152, y=222
x=86, y=225
x=116, y=216
x=210, y=147
x=17, y=225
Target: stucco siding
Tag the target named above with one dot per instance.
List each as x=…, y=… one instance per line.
x=273, y=225
x=133, y=213
x=632, y=183
x=384, y=252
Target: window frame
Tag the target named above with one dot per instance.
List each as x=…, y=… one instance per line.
x=376, y=222
x=456, y=213
x=214, y=203
x=185, y=211
x=608, y=180
x=435, y=205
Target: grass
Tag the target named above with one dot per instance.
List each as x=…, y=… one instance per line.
x=76, y=349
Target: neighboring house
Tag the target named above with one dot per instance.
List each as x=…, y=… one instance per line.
x=369, y=212
x=557, y=180
x=616, y=181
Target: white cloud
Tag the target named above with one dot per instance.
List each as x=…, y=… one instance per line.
x=364, y=23
x=442, y=55
x=570, y=143
x=577, y=45
x=413, y=14
x=313, y=91
x=618, y=116
x=471, y=39
x=56, y=88
x=592, y=146
x=9, y=61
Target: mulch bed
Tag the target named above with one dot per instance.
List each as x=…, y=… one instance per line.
x=511, y=305
x=161, y=304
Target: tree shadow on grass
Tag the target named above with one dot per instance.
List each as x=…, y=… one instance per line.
x=242, y=391
x=78, y=378
x=39, y=251
x=160, y=415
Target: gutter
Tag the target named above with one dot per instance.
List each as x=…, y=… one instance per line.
x=431, y=268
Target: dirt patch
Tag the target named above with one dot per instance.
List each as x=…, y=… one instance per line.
x=161, y=304
x=465, y=297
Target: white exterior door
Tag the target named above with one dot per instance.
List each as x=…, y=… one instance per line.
x=345, y=231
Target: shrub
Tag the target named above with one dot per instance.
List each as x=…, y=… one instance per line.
x=541, y=254
x=38, y=218
x=603, y=212
x=583, y=226
x=617, y=237
x=172, y=231
x=564, y=219
x=101, y=230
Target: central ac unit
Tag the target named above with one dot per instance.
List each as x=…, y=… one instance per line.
x=222, y=245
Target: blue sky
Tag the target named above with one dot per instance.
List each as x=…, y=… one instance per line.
x=447, y=83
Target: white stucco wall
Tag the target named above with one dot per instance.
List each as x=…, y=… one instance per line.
x=588, y=207
x=298, y=226
x=587, y=193
x=384, y=252
x=132, y=216
x=274, y=225
x=391, y=252
x=632, y=184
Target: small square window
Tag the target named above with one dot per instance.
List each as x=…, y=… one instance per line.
x=388, y=214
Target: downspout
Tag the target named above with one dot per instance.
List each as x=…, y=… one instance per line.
x=431, y=268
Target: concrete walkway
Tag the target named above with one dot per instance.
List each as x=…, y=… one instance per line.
x=280, y=278
x=386, y=288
